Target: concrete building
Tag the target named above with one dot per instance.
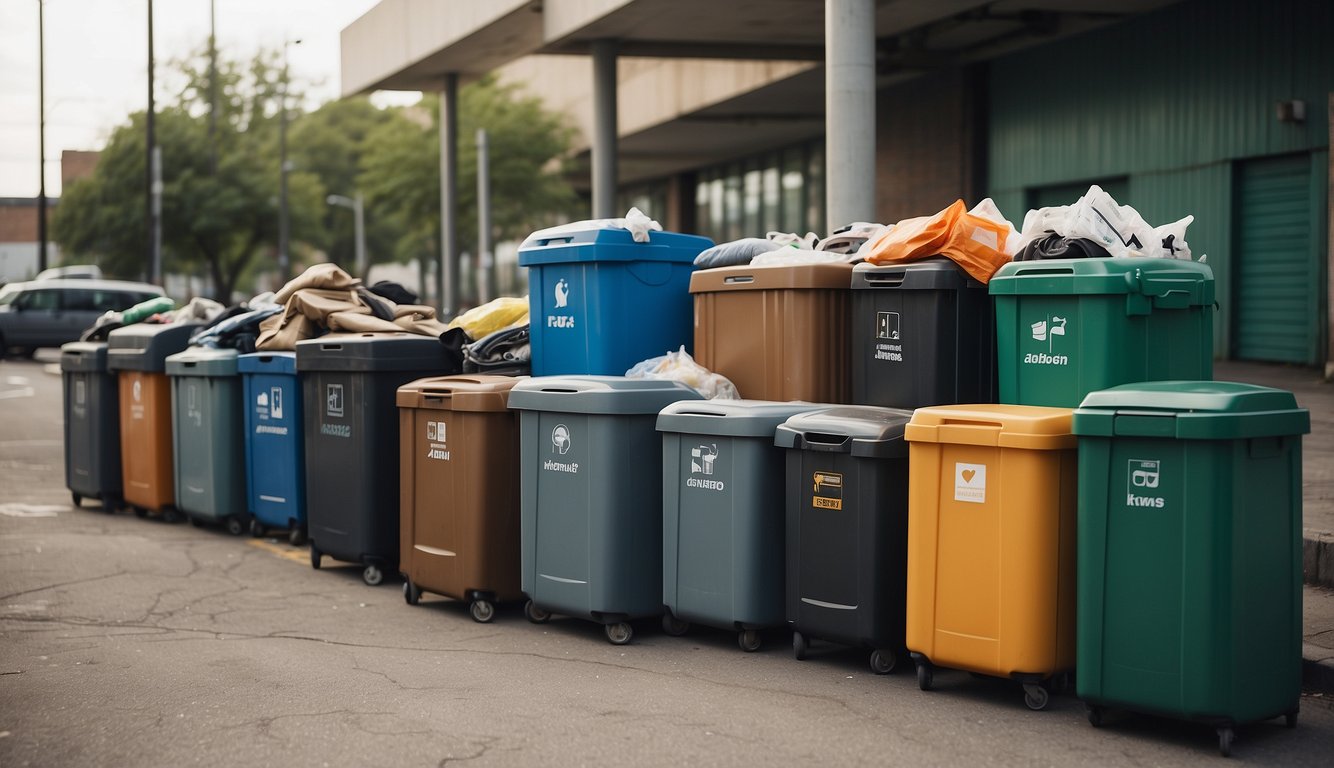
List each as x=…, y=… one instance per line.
x=731, y=119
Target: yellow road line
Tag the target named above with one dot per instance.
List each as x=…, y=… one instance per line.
x=282, y=550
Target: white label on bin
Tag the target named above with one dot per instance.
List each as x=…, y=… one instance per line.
x=276, y=402
x=80, y=392
x=435, y=435
x=193, y=410
x=1047, y=329
x=1142, y=477
x=827, y=490
x=702, y=462
x=562, y=292
x=889, y=339
x=333, y=400
x=560, y=445
x=970, y=482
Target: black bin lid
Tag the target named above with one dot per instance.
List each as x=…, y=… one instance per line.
x=934, y=274
x=861, y=430
x=84, y=357
x=373, y=352
x=146, y=346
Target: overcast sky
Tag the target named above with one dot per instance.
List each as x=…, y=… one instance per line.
x=96, y=64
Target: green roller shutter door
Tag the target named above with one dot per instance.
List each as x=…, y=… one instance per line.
x=1273, y=289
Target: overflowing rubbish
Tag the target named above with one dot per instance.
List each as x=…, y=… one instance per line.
x=980, y=240
x=1119, y=229
x=680, y=366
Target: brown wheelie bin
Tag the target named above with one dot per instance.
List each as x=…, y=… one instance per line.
x=459, y=492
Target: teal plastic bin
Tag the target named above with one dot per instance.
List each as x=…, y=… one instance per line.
x=208, y=437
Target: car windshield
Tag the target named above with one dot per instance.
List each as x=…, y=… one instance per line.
x=7, y=296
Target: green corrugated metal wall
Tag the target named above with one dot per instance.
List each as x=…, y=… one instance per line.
x=1170, y=99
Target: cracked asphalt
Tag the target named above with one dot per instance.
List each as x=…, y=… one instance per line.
x=127, y=642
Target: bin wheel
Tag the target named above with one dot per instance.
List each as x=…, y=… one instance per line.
x=111, y=504
x=234, y=526
x=535, y=614
x=411, y=594
x=799, y=646
x=372, y=576
x=1036, y=697
x=674, y=626
x=170, y=515
x=1225, y=739
x=749, y=640
x=883, y=661
x=1096, y=715
x=483, y=611
x=78, y=500
x=619, y=633
x=195, y=521
x=315, y=555
x=256, y=528
x=297, y=536
x=140, y=512
x=924, y=675
x=1290, y=719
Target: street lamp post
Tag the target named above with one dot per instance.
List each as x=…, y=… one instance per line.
x=284, y=258
x=41, y=141
x=358, y=226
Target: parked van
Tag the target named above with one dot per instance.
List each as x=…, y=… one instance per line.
x=48, y=313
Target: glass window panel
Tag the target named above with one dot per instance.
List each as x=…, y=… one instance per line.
x=752, y=186
x=815, y=203
x=771, y=207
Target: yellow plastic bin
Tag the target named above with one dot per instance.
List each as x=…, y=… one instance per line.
x=991, y=544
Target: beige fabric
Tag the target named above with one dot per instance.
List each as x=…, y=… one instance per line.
x=328, y=276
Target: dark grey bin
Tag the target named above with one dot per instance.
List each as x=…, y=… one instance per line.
x=847, y=529
x=208, y=437
x=590, y=469
x=348, y=386
x=92, y=424
x=722, y=515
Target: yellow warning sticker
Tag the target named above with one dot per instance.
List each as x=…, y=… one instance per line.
x=828, y=490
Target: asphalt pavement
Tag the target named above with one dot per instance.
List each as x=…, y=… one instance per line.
x=129, y=642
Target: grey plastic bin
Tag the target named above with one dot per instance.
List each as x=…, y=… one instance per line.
x=349, y=383
x=208, y=437
x=590, y=468
x=92, y=424
x=722, y=515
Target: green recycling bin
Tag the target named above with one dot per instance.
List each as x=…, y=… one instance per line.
x=208, y=437
x=1190, y=564
x=723, y=494
x=1067, y=327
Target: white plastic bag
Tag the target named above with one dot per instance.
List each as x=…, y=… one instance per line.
x=987, y=210
x=794, y=256
x=1118, y=228
x=680, y=366
x=1171, y=240
x=636, y=221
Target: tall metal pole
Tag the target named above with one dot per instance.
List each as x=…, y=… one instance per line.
x=486, y=263
x=447, y=277
x=604, y=129
x=212, y=88
x=154, y=213
x=41, y=141
x=284, y=260
x=849, y=111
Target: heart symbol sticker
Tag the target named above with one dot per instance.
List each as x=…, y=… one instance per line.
x=968, y=475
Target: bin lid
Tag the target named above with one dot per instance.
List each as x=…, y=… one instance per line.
x=146, y=346
x=862, y=430
x=471, y=392
x=282, y=363
x=730, y=418
x=373, y=352
x=934, y=274
x=566, y=244
x=1191, y=410
x=771, y=277
x=999, y=426
x=598, y=394
x=84, y=357
x=203, y=361
x=1189, y=282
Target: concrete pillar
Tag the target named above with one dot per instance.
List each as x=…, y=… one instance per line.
x=447, y=277
x=849, y=29
x=604, y=129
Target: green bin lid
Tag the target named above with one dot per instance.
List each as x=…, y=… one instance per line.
x=861, y=430
x=1190, y=410
x=84, y=357
x=730, y=418
x=598, y=394
x=371, y=352
x=203, y=361
x=146, y=346
x=1189, y=281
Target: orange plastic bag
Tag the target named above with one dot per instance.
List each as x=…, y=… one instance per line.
x=915, y=238
x=977, y=243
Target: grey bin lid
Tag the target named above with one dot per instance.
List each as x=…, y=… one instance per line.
x=372, y=352
x=146, y=346
x=861, y=430
x=598, y=394
x=934, y=274
x=84, y=357
x=203, y=361
x=730, y=418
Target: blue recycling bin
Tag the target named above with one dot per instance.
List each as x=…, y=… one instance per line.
x=274, y=452
x=599, y=302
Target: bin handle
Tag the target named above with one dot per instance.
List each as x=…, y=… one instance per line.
x=687, y=412
x=896, y=279
x=555, y=240
x=1045, y=271
x=188, y=364
x=979, y=423
x=266, y=358
x=737, y=279
x=825, y=439
x=435, y=396
x=331, y=346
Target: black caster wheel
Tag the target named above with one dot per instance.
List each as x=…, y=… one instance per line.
x=256, y=529
x=140, y=512
x=111, y=505
x=1225, y=739
x=315, y=556
x=924, y=675
x=674, y=626
x=1036, y=697
x=235, y=527
x=799, y=646
x=78, y=500
x=883, y=661
x=482, y=611
x=411, y=594
x=1290, y=719
x=372, y=576
x=196, y=522
x=619, y=633
x=171, y=516
x=1097, y=716
x=535, y=614
x=749, y=640
x=297, y=536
